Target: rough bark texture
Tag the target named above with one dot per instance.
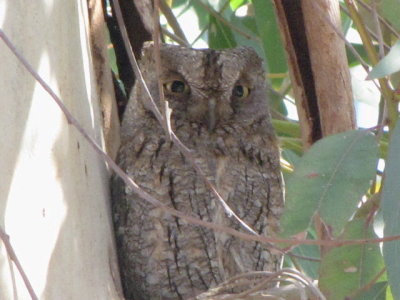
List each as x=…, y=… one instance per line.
x=53, y=188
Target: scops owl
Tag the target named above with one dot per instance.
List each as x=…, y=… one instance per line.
x=220, y=112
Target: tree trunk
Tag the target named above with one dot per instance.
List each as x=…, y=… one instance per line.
x=318, y=66
x=53, y=189
x=329, y=65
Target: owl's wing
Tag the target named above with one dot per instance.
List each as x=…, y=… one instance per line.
x=118, y=198
x=121, y=203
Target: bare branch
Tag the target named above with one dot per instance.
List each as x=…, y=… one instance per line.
x=381, y=19
x=254, y=285
x=174, y=37
x=173, y=22
x=11, y=253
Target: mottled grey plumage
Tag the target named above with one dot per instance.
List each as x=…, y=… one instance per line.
x=220, y=111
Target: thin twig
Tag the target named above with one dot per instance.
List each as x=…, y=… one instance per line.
x=346, y=11
x=379, y=36
x=368, y=285
x=257, y=285
x=175, y=38
x=172, y=21
x=387, y=92
x=305, y=280
x=146, y=196
x=11, y=253
x=207, y=27
x=131, y=57
x=308, y=258
x=348, y=44
x=165, y=111
x=381, y=19
x=226, y=22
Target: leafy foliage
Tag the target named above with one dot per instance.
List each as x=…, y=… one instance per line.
x=345, y=270
x=388, y=65
x=330, y=180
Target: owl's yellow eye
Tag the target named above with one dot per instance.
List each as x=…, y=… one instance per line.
x=240, y=91
x=177, y=87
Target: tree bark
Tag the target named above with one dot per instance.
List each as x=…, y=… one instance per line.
x=329, y=65
x=104, y=81
x=318, y=66
x=53, y=188
x=291, y=24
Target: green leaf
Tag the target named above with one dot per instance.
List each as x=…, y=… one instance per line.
x=308, y=267
x=292, y=144
x=390, y=10
x=345, y=270
x=391, y=212
x=235, y=4
x=377, y=292
x=353, y=60
x=290, y=156
x=220, y=36
x=346, y=23
x=286, y=128
x=330, y=179
x=388, y=65
x=389, y=295
x=270, y=36
x=246, y=33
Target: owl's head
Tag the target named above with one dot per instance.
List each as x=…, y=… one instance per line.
x=209, y=88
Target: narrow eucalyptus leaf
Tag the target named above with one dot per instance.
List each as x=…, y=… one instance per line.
x=391, y=212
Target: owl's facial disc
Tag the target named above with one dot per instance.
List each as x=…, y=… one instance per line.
x=209, y=104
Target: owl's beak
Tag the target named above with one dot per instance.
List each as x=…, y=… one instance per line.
x=211, y=114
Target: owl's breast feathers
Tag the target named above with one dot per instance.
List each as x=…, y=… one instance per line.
x=164, y=255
